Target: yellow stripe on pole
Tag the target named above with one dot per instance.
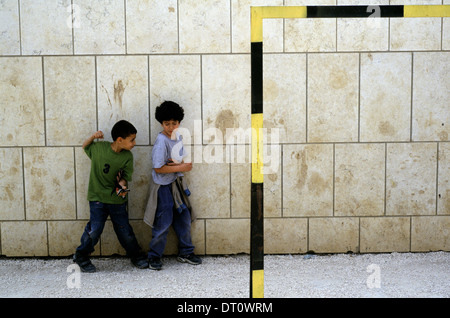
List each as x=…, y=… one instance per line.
x=257, y=148
x=256, y=24
x=275, y=12
x=258, y=283
x=288, y=12
x=426, y=11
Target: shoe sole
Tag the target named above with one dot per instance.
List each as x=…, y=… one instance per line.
x=185, y=260
x=155, y=268
x=93, y=269
x=88, y=270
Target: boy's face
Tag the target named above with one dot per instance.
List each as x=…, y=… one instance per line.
x=127, y=143
x=169, y=126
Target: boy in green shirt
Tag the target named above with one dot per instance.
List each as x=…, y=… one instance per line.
x=111, y=169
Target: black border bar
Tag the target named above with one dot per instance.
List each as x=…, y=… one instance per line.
x=386, y=11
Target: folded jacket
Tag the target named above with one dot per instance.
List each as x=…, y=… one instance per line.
x=180, y=193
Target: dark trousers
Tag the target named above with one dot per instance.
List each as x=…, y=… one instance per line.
x=167, y=215
x=119, y=216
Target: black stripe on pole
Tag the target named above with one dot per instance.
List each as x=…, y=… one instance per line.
x=257, y=77
x=394, y=11
x=257, y=193
x=256, y=231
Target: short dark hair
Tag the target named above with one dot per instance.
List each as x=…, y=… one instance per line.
x=122, y=129
x=169, y=111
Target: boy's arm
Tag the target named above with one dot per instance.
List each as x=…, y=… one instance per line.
x=182, y=167
x=87, y=142
x=126, y=172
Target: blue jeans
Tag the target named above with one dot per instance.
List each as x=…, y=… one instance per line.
x=167, y=215
x=119, y=216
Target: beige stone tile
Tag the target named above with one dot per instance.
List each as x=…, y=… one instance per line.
x=333, y=235
x=362, y=34
x=82, y=171
x=49, y=183
x=70, y=101
x=431, y=96
x=272, y=192
x=101, y=27
x=310, y=35
x=122, y=89
x=22, y=95
x=143, y=233
x=333, y=97
x=241, y=189
x=177, y=78
x=385, y=234
x=152, y=26
x=240, y=26
x=226, y=95
x=285, y=236
x=364, y=2
x=64, y=237
x=385, y=96
x=210, y=197
x=443, y=204
x=308, y=180
x=415, y=34
x=11, y=184
x=24, y=239
x=139, y=186
x=446, y=34
x=46, y=27
x=204, y=26
x=357, y=34
x=272, y=180
x=285, y=96
x=227, y=236
x=359, y=179
x=430, y=233
x=109, y=244
x=198, y=236
x=446, y=30
x=411, y=179
x=9, y=28
x=416, y=2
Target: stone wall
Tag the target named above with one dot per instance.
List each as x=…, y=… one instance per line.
x=360, y=108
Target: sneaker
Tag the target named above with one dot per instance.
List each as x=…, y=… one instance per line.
x=85, y=263
x=140, y=262
x=154, y=263
x=190, y=259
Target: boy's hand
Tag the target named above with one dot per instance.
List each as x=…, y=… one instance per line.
x=90, y=140
x=98, y=135
x=122, y=192
x=187, y=166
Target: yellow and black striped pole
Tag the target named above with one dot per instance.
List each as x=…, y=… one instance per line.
x=294, y=12
x=257, y=193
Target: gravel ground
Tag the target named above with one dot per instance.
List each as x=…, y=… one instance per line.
x=340, y=275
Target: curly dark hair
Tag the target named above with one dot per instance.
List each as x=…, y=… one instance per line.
x=169, y=111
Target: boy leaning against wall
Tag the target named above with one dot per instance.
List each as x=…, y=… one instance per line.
x=168, y=203
x=111, y=170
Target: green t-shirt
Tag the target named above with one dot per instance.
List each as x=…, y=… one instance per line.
x=105, y=164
